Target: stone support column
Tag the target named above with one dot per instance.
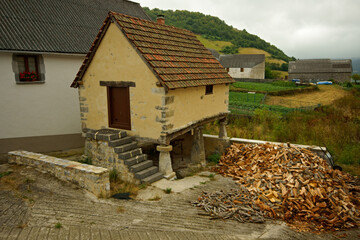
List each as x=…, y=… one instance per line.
x=165, y=166
x=222, y=129
x=198, y=148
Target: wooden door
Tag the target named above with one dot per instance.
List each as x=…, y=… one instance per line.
x=119, y=107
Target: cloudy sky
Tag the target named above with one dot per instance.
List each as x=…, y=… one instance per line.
x=301, y=28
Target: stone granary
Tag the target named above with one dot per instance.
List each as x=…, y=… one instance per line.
x=313, y=70
x=146, y=83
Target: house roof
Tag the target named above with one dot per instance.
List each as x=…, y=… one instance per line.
x=320, y=66
x=175, y=55
x=215, y=53
x=66, y=26
x=241, y=60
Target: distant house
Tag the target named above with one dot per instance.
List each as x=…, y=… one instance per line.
x=313, y=70
x=243, y=65
x=156, y=82
x=50, y=39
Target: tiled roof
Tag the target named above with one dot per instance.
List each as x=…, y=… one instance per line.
x=175, y=55
x=241, y=60
x=320, y=66
x=62, y=26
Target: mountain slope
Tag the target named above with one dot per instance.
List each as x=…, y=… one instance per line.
x=213, y=28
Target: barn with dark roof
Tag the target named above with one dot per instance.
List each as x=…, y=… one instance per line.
x=313, y=70
x=157, y=83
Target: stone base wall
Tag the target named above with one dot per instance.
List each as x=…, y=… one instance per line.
x=215, y=145
x=94, y=179
x=102, y=155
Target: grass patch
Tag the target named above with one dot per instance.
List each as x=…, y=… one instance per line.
x=214, y=158
x=217, y=45
x=58, y=225
x=211, y=176
x=265, y=87
x=85, y=160
x=3, y=174
x=253, y=51
x=113, y=175
x=156, y=198
x=119, y=186
x=168, y=190
x=336, y=126
x=203, y=183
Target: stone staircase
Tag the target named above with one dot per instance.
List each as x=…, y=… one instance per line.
x=127, y=149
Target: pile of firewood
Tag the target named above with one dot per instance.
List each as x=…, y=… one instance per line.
x=288, y=183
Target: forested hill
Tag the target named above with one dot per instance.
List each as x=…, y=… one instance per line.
x=214, y=28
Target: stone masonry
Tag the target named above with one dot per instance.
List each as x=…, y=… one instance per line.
x=113, y=149
x=93, y=179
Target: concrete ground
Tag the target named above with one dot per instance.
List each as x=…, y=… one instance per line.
x=35, y=205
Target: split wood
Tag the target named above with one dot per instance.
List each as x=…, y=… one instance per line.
x=277, y=181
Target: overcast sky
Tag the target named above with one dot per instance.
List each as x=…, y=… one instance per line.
x=301, y=28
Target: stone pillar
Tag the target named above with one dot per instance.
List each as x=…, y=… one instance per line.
x=165, y=166
x=222, y=129
x=198, y=148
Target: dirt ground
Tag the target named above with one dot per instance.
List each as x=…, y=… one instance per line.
x=35, y=205
x=325, y=96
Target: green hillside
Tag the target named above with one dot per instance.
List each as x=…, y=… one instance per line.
x=213, y=28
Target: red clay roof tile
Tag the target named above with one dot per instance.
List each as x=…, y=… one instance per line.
x=176, y=55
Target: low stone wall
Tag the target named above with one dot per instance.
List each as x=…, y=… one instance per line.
x=93, y=179
x=103, y=155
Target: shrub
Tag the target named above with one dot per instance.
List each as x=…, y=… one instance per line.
x=113, y=175
x=214, y=158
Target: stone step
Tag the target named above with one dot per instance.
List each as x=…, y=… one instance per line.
x=126, y=147
x=130, y=154
x=106, y=134
x=146, y=172
x=141, y=166
x=120, y=141
x=135, y=160
x=152, y=178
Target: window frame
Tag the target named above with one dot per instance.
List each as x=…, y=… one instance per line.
x=39, y=67
x=209, y=89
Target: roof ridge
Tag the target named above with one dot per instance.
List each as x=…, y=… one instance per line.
x=152, y=22
x=175, y=56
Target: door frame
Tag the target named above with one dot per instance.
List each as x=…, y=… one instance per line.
x=112, y=125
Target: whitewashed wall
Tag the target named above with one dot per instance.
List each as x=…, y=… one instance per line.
x=257, y=72
x=51, y=108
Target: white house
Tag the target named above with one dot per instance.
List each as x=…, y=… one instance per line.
x=42, y=46
x=242, y=65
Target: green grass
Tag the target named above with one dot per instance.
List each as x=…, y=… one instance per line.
x=217, y=45
x=245, y=103
x=336, y=126
x=2, y=174
x=265, y=87
x=240, y=98
x=113, y=175
x=58, y=225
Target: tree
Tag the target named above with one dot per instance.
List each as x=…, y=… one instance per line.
x=356, y=76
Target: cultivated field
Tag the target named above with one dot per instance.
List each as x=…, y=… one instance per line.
x=265, y=87
x=325, y=96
